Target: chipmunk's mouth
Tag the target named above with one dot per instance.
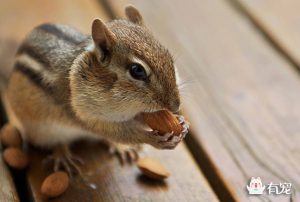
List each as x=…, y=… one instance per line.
x=139, y=117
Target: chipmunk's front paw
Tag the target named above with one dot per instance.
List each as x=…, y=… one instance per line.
x=163, y=141
x=125, y=153
x=168, y=140
x=185, y=125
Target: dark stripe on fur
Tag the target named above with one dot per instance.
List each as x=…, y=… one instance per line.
x=33, y=76
x=36, y=78
x=52, y=29
x=25, y=48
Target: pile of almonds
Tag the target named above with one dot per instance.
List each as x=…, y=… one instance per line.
x=53, y=186
x=13, y=155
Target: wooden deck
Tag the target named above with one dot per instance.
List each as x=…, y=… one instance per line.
x=240, y=62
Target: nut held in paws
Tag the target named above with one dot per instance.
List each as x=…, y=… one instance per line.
x=15, y=158
x=55, y=184
x=152, y=168
x=10, y=136
x=163, y=121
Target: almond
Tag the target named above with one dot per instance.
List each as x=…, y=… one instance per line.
x=55, y=184
x=15, y=158
x=152, y=168
x=10, y=136
x=163, y=121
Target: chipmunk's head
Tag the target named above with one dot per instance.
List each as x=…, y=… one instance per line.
x=127, y=71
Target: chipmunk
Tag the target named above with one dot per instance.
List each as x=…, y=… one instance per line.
x=68, y=85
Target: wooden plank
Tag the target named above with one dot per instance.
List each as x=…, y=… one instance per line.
x=112, y=181
x=7, y=188
x=279, y=20
x=241, y=97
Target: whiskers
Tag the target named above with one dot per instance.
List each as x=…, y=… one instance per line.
x=187, y=88
x=186, y=84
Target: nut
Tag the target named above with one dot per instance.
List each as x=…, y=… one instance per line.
x=55, y=184
x=163, y=121
x=10, y=136
x=15, y=158
x=152, y=168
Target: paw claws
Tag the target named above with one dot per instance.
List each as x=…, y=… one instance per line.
x=168, y=136
x=169, y=140
x=185, y=129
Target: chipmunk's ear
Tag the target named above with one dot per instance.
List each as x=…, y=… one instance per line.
x=102, y=36
x=133, y=15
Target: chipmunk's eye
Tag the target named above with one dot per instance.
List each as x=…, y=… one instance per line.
x=137, y=71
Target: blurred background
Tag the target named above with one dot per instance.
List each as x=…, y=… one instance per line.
x=238, y=62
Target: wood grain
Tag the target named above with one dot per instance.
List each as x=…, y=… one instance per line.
x=114, y=182
x=279, y=20
x=241, y=97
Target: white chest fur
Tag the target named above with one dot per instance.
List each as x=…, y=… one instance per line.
x=48, y=134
